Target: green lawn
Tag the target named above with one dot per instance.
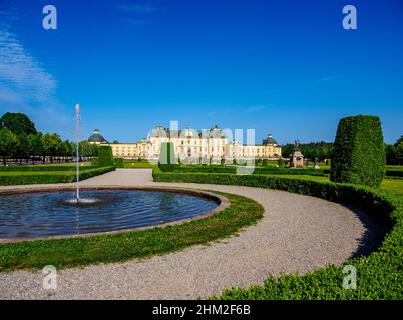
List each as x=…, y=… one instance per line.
x=137, y=165
x=395, y=185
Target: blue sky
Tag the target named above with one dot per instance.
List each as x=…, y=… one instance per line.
x=285, y=67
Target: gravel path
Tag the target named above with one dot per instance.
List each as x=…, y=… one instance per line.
x=297, y=234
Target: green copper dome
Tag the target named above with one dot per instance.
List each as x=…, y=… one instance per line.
x=96, y=137
x=269, y=140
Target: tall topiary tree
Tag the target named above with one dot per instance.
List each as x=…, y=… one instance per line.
x=105, y=158
x=167, y=159
x=359, y=152
x=167, y=153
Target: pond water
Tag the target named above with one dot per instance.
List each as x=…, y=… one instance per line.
x=43, y=214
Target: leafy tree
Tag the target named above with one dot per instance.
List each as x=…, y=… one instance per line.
x=17, y=123
x=51, y=145
x=22, y=152
x=35, y=145
x=66, y=149
x=8, y=144
x=390, y=152
x=399, y=150
x=87, y=149
x=321, y=150
x=394, y=152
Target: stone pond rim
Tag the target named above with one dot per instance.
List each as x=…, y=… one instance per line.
x=222, y=202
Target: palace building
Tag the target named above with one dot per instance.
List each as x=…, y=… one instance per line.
x=191, y=146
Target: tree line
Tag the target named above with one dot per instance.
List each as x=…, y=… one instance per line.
x=320, y=150
x=21, y=142
x=324, y=150
x=394, y=152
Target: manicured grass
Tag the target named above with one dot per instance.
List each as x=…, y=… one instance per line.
x=380, y=274
x=80, y=251
x=137, y=165
x=53, y=176
x=395, y=185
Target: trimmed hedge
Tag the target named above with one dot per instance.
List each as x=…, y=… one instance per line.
x=118, y=162
x=380, y=274
x=167, y=161
x=94, y=161
x=359, y=151
x=46, y=168
x=167, y=154
x=17, y=178
x=105, y=157
x=394, y=173
x=232, y=170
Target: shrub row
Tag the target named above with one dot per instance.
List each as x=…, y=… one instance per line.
x=394, y=173
x=118, y=162
x=232, y=170
x=94, y=161
x=50, y=177
x=38, y=168
x=379, y=274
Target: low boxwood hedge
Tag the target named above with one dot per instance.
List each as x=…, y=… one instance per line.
x=118, y=162
x=380, y=274
x=233, y=170
x=38, y=177
x=37, y=168
x=394, y=172
x=94, y=161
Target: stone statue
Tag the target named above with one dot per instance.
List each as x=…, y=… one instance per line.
x=296, y=157
x=316, y=163
x=296, y=145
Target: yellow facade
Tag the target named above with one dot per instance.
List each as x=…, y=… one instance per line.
x=193, y=146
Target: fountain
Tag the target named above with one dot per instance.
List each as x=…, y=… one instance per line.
x=77, y=153
x=47, y=213
x=77, y=200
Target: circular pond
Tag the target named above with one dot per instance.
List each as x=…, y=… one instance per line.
x=44, y=214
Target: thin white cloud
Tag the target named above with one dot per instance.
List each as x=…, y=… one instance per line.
x=255, y=108
x=20, y=72
x=136, y=7
x=134, y=22
x=25, y=85
x=335, y=76
x=22, y=78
